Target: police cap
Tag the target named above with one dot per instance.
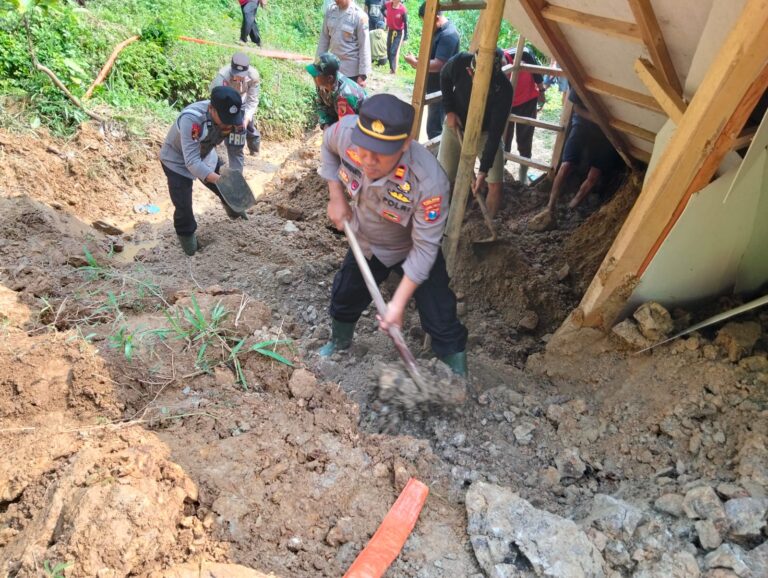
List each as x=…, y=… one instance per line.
x=383, y=124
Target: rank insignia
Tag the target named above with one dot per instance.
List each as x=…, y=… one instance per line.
x=404, y=187
x=390, y=216
x=354, y=185
x=397, y=195
x=344, y=176
x=353, y=156
x=195, y=132
x=400, y=172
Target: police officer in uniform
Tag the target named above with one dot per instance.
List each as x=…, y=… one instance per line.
x=189, y=152
x=245, y=80
x=394, y=194
x=345, y=33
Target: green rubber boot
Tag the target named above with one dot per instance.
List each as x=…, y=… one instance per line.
x=457, y=362
x=341, y=338
x=188, y=243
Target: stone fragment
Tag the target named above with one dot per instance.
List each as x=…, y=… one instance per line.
x=738, y=338
x=754, y=363
x=570, y=465
x=507, y=533
x=653, y=321
x=679, y=565
x=702, y=503
x=757, y=560
x=628, y=336
x=753, y=460
x=341, y=533
x=563, y=272
x=746, y=519
x=107, y=228
x=549, y=477
x=731, y=491
x=617, y=518
x=224, y=377
x=290, y=228
x=616, y=555
x=290, y=213
x=529, y=321
x=284, y=276
x=401, y=475
x=730, y=557
x=524, y=433
x=709, y=536
x=303, y=384
x=671, y=504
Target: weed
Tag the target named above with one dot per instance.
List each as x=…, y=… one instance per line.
x=123, y=340
x=57, y=570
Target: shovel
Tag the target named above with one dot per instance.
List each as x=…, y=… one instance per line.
x=235, y=190
x=394, y=332
x=480, y=201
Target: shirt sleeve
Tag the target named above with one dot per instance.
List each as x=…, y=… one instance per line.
x=324, y=113
x=190, y=148
x=446, y=85
x=405, y=26
x=252, y=96
x=447, y=46
x=529, y=58
x=364, y=55
x=500, y=104
x=325, y=38
x=330, y=161
x=425, y=234
x=218, y=80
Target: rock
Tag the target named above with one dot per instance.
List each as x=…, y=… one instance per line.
x=570, y=465
x=731, y=491
x=458, y=439
x=753, y=460
x=224, y=377
x=563, y=272
x=290, y=213
x=290, y=228
x=628, y=336
x=738, y=338
x=507, y=533
x=702, y=503
x=678, y=565
x=106, y=228
x=653, y=321
x=730, y=557
x=616, y=518
x=529, y=321
x=549, y=477
x=524, y=433
x=295, y=543
x=401, y=475
x=757, y=560
x=709, y=536
x=746, y=519
x=303, y=384
x=284, y=276
x=341, y=533
x=671, y=504
x=616, y=555
x=754, y=363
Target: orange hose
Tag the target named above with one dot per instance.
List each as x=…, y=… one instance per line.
x=389, y=539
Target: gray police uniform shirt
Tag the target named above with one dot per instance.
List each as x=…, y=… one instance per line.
x=249, y=87
x=345, y=34
x=190, y=146
x=399, y=217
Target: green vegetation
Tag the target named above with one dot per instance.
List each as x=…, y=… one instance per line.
x=154, y=77
x=55, y=570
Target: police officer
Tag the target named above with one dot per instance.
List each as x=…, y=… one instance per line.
x=394, y=193
x=337, y=96
x=245, y=80
x=189, y=152
x=345, y=33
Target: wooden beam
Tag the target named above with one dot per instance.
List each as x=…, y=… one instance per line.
x=527, y=162
x=565, y=56
x=608, y=26
x=463, y=6
x=535, y=122
x=745, y=138
x=716, y=114
x=625, y=94
x=632, y=129
x=433, y=97
x=669, y=100
x=533, y=69
x=422, y=68
x=557, y=151
x=654, y=42
x=640, y=154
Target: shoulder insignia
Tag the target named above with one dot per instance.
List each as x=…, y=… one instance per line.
x=397, y=195
x=344, y=176
x=400, y=172
x=196, y=130
x=353, y=156
x=350, y=167
x=342, y=109
x=432, y=208
x=405, y=187
x=390, y=216
x=354, y=185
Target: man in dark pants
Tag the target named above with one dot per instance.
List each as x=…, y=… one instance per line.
x=398, y=205
x=445, y=44
x=189, y=152
x=250, y=28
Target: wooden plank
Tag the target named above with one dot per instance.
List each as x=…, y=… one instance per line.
x=745, y=138
x=527, y=162
x=625, y=94
x=640, y=154
x=557, y=151
x=716, y=114
x=462, y=6
x=564, y=55
x=422, y=68
x=535, y=122
x=433, y=97
x=633, y=130
x=654, y=42
x=669, y=100
x=533, y=69
x=608, y=26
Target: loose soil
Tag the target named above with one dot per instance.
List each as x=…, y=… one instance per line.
x=132, y=450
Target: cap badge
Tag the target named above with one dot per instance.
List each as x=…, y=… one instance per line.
x=378, y=127
x=233, y=109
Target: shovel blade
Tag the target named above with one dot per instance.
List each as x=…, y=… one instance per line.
x=235, y=190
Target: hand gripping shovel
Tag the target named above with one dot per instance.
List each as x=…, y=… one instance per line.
x=235, y=190
x=394, y=332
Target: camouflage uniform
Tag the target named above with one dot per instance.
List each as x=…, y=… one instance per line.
x=345, y=98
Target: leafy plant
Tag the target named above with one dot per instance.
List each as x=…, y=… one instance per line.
x=123, y=340
x=57, y=570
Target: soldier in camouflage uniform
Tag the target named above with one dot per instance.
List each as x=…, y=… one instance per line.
x=245, y=80
x=337, y=96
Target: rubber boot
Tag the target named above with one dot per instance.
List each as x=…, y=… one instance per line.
x=524, y=175
x=457, y=362
x=188, y=243
x=341, y=338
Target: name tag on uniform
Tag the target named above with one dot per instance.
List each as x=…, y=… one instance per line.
x=237, y=139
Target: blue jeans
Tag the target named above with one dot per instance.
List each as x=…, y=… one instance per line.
x=435, y=116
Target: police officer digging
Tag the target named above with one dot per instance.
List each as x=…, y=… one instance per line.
x=245, y=79
x=395, y=196
x=189, y=152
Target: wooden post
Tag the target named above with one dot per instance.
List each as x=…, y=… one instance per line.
x=565, y=120
x=422, y=69
x=489, y=36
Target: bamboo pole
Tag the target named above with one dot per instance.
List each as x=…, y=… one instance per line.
x=108, y=66
x=488, y=36
x=422, y=69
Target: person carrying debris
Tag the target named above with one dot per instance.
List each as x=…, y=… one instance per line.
x=398, y=204
x=345, y=34
x=245, y=80
x=189, y=152
x=337, y=96
x=584, y=135
x=456, y=80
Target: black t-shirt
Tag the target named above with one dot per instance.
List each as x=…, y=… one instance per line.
x=445, y=45
x=375, y=11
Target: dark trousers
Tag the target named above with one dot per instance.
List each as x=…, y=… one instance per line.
x=435, y=301
x=523, y=132
x=250, y=27
x=394, y=39
x=252, y=137
x=435, y=116
x=180, y=188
